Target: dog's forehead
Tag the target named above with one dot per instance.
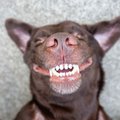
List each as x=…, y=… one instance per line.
x=66, y=26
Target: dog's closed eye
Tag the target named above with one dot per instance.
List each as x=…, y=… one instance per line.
x=39, y=40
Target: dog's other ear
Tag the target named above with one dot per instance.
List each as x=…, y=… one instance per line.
x=106, y=33
x=19, y=32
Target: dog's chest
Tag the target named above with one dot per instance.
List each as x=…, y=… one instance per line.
x=38, y=116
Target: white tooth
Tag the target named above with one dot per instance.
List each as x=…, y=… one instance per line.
x=66, y=66
x=67, y=73
x=76, y=68
x=63, y=74
x=70, y=66
x=61, y=67
x=54, y=72
x=73, y=72
x=50, y=71
x=57, y=67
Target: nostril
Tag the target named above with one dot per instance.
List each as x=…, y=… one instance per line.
x=67, y=39
x=55, y=42
x=70, y=41
x=52, y=42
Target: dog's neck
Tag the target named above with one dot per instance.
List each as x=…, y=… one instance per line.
x=53, y=105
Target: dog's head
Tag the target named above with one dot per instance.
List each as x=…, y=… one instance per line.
x=68, y=53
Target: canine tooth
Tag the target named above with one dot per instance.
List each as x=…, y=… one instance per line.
x=54, y=72
x=57, y=67
x=73, y=72
x=50, y=71
x=76, y=68
x=66, y=66
x=61, y=67
x=70, y=66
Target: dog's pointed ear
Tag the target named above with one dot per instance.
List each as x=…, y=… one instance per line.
x=19, y=32
x=106, y=33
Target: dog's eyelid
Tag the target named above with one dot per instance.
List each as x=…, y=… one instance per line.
x=79, y=36
x=40, y=39
x=82, y=39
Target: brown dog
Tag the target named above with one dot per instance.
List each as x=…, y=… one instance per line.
x=65, y=64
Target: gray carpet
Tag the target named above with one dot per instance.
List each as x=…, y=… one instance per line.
x=14, y=75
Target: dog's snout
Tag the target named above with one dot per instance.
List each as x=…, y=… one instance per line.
x=61, y=39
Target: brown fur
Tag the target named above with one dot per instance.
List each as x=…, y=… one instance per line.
x=66, y=42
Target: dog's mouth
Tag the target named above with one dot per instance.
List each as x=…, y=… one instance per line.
x=65, y=78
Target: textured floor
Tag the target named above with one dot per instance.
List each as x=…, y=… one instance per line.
x=14, y=75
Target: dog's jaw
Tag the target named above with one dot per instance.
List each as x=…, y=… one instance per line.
x=67, y=84
x=64, y=78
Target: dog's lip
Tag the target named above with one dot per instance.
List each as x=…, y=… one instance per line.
x=40, y=70
x=88, y=62
x=57, y=73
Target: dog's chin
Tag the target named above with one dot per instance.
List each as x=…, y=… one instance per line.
x=66, y=85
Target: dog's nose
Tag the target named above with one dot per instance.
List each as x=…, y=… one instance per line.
x=61, y=40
